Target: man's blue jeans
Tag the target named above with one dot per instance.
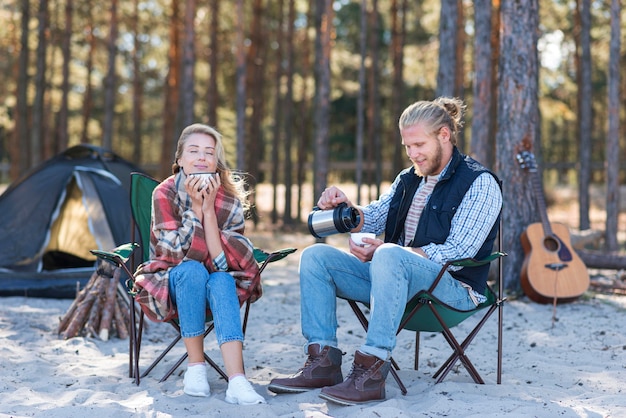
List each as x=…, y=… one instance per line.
x=387, y=283
x=193, y=290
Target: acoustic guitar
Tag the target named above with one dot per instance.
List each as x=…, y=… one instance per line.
x=551, y=271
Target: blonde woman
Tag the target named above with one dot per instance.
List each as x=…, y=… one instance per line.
x=201, y=260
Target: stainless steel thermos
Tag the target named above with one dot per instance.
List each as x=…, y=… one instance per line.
x=340, y=219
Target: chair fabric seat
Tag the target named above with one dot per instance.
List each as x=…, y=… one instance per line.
x=426, y=321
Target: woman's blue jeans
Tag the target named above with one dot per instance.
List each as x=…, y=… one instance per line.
x=386, y=283
x=193, y=289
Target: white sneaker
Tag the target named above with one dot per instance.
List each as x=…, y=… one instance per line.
x=196, y=382
x=241, y=392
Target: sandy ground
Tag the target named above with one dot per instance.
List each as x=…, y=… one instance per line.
x=574, y=367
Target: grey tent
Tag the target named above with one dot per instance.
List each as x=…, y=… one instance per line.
x=52, y=216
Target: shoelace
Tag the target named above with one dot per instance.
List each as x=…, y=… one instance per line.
x=196, y=377
x=356, y=372
x=244, y=385
x=311, y=361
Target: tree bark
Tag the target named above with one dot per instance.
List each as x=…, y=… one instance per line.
x=374, y=155
x=278, y=112
x=323, y=27
x=137, y=87
x=585, y=114
x=612, y=139
x=518, y=116
x=88, y=97
x=212, y=91
x=447, y=48
x=481, y=142
x=288, y=180
x=304, y=139
x=240, y=95
x=253, y=149
x=360, y=104
x=19, y=149
x=398, y=25
x=109, y=82
x=62, y=129
x=172, y=94
x=37, y=133
x=187, y=85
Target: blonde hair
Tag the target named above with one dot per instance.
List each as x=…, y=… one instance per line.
x=234, y=184
x=443, y=111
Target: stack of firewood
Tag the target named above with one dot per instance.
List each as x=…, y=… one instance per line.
x=101, y=308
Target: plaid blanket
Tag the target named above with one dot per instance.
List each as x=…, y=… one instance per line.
x=177, y=235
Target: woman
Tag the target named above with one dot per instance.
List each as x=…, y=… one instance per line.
x=200, y=259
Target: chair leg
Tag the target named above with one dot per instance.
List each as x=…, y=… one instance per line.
x=244, y=325
x=470, y=337
x=138, y=340
x=500, y=321
x=180, y=361
x=395, y=375
x=163, y=354
x=460, y=354
x=417, y=350
x=459, y=349
x=133, y=352
x=182, y=358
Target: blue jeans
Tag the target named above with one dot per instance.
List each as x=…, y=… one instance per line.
x=193, y=290
x=386, y=283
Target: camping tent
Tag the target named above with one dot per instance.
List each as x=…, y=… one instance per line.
x=52, y=216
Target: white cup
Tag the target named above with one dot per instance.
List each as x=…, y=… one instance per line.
x=357, y=238
x=205, y=178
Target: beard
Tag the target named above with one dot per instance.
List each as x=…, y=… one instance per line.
x=433, y=163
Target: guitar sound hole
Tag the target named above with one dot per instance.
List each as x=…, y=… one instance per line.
x=551, y=244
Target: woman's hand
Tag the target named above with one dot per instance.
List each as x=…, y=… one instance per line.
x=365, y=253
x=209, y=193
x=193, y=187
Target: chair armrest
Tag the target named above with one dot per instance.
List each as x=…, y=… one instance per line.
x=261, y=256
x=472, y=262
x=118, y=255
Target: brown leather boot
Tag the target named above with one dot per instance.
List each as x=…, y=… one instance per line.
x=322, y=368
x=366, y=382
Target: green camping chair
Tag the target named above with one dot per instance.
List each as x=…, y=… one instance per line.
x=425, y=313
x=128, y=259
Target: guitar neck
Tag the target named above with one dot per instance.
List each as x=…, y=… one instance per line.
x=541, y=202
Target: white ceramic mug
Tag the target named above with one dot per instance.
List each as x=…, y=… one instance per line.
x=357, y=238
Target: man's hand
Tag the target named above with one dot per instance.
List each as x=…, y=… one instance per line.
x=331, y=197
x=365, y=253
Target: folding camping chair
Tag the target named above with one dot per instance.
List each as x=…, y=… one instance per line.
x=126, y=257
x=425, y=313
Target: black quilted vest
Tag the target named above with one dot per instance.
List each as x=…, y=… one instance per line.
x=435, y=221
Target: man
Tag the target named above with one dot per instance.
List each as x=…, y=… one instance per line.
x=443, y=207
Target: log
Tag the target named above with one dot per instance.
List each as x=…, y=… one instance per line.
x=120, y=321
x=615, y=285
x=80, y=316
x=108, y=308
x=79, y=297
x=93, y=323
x=100, y=309
x=581, y=239
x=602, y=260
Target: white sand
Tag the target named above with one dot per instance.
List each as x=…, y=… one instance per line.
x=575, y=369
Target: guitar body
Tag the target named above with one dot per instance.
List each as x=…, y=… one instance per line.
x=551, y=269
